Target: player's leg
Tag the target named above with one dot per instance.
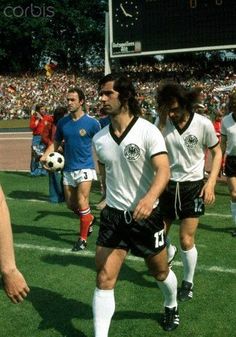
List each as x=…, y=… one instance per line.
x=168, y=211
x=189, y=256
x=108, y=264
x=83, y=179
x=70, y=196
x=83, y=210
x=70, y=193
x=167, y=282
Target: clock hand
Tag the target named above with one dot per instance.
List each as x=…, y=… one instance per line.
x=124, y=11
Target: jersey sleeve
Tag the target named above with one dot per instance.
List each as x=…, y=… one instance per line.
x=155, y=142
x=211, y=139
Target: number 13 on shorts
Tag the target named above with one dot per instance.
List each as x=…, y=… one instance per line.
x=159, y=238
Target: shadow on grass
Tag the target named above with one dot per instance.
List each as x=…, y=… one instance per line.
x=57, y=311
x=48, y=213
x=157, y=317
x=127, y=273
x=211, y=228
x=44, y=232
x=18, y=173
x=27, y=195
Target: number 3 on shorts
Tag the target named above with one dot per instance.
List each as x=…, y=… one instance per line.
x=159, y=238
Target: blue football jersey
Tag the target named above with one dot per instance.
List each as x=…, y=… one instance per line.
x=77, y=136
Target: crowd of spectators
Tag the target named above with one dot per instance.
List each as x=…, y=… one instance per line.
x=19, y=94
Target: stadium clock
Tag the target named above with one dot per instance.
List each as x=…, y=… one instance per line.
x=127, y=14
x=149, y=27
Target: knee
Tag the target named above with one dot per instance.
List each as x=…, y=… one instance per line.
x=83, y=200
x=186, y=242
x=105, y=282
x=161, y=275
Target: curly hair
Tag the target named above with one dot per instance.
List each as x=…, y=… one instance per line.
x=170, y=92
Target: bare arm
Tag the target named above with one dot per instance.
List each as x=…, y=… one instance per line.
x=145, y=205
x=14, y=283
x=208, y=190
x=51, y=148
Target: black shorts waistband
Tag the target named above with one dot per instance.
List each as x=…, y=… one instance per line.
x=187, y=182
x=126, y=214
x=118, y=210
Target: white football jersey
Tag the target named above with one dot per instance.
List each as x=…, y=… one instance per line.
x=186, y=147
x=228, y=129
x=127, y=160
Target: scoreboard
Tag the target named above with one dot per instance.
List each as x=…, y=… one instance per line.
x=148, y=27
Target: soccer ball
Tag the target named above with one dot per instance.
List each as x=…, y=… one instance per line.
x=55, y=161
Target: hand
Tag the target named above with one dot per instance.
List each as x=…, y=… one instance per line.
x=208, y=194
x=143, y=209
x=43, y=162
x=15, y=286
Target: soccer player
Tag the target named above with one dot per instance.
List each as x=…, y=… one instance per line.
x=228, y=146
x=133, y=161
x=76, y=131
x=187, y=136
x=14, y=283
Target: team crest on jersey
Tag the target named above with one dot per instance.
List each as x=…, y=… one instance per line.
x=82, y=132
x=190, y=141
x=132, y=152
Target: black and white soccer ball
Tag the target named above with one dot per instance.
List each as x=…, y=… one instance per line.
x=55, y=161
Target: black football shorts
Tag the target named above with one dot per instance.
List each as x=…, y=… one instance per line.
x=230, y=166
x=119, y=230
x=181, y=200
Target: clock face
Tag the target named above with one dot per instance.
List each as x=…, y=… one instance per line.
x=126, y=14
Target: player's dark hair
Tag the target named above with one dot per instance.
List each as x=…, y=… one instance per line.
x=38, y=107
x=79, y=92
x=168, y=93
x=127, y=94
x=172, y=91
x=58, y=113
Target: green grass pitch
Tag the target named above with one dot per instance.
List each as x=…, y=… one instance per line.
x=62, y=283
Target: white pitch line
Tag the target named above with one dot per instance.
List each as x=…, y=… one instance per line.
x=31, y=200
x=214, y=269
x=219, y=215
x=206, y=214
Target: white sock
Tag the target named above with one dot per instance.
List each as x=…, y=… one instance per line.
x=189, y=259
x=169, y=290
x=170, y=249
x=233, y=211
x=103, y=310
